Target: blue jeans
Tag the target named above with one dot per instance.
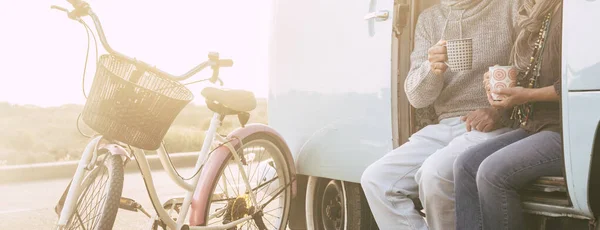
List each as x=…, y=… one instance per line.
x=488, y=177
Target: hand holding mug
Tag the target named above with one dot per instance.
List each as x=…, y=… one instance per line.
x=511, y=97
x=501, y=77
x=488, y=86
x=437, y=56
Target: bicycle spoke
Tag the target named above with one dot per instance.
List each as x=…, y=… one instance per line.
x=245, y=224
x=274, y=227
x=237, y=194
x=262, y=171
x=273, y=193
x=221, y=200
x=99, y=202
x=94, y=189
x=272, y=210
x=93, y=218
x=97, y=211
x=260, y=157
x=89, y=201
x=250, y=165
x=74, y=222
x=267, y=189
x=90, y=208
x=265, y=184
x=81, y=222
x=223, y=190
x=237, y=183
x=82, y=199
x=272, y=215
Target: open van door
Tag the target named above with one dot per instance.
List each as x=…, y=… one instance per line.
x=330, y=93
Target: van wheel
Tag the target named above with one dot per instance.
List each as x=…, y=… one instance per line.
x=336, y=205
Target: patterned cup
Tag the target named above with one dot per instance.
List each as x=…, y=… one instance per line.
x=460, y=54
x=502, y=77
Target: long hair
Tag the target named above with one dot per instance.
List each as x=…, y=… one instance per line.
x=530, y=18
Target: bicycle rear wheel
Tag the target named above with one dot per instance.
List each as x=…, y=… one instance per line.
x=268, y=174
x=101, y=189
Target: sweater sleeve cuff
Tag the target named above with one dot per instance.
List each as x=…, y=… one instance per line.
x=423, y=78
x=423, y=86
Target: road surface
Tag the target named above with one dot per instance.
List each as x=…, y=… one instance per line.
x=31, y=205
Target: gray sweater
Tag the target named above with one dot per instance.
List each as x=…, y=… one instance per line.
x=492, y=26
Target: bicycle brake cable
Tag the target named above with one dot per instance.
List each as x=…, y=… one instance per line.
x=87, y=53
x=199, y=169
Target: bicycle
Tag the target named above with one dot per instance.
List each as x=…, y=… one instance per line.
x=131, y=105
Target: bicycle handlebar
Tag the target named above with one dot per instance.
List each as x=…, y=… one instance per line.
x=81, y=9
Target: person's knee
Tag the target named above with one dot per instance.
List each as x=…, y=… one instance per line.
x=491, y=173
x=433, y=176
x=370, y=175
x=464, y=166
x=436, y=168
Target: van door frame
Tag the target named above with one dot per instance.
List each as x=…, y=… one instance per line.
x=404, y=115
x=402, y=45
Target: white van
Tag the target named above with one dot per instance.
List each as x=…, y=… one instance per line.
x=337, y=70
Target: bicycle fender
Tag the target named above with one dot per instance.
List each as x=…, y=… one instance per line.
x=114, y=149
x=241, y=133
x=217, y=159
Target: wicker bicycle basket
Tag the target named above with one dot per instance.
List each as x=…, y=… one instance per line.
x=133, y=105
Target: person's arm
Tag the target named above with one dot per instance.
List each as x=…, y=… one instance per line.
x=548, y=94
x=422, y=85
x=519, y=95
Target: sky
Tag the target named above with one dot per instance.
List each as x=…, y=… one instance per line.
x=42, y=52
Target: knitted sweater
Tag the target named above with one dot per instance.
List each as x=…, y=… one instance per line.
x=492, y=26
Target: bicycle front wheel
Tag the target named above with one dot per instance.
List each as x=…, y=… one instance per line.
x=101, y=189
x=269, y=177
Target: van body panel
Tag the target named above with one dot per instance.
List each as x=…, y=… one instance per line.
x=581, y=51
x=330, y=84
x=580, y=121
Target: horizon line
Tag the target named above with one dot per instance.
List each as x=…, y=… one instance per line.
x=80, y=104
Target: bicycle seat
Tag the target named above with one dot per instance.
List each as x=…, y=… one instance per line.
x=238, y=100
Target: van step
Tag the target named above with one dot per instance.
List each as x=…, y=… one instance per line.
x=546, y=188
x=556, y=199
x=548, y=184
x=547, y=180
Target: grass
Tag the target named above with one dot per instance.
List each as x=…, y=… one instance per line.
x=32, y=134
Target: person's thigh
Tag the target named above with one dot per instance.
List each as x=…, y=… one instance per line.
x=469, y=161
x=394, y=172
x=515, y=165
x=440, y=165
x=501, y=175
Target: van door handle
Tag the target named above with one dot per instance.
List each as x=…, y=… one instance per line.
x=380, y=15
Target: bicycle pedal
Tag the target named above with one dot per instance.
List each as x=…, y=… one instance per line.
x=157, y=224
x=129, y=204
x=173, y=203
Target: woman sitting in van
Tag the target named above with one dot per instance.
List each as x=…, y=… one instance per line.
x=488, y=176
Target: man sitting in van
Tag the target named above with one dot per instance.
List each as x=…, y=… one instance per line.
x=422, y=167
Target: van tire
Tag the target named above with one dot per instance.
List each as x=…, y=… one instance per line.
x=346, y=206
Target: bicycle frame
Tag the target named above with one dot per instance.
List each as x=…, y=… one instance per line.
x=90, y=153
